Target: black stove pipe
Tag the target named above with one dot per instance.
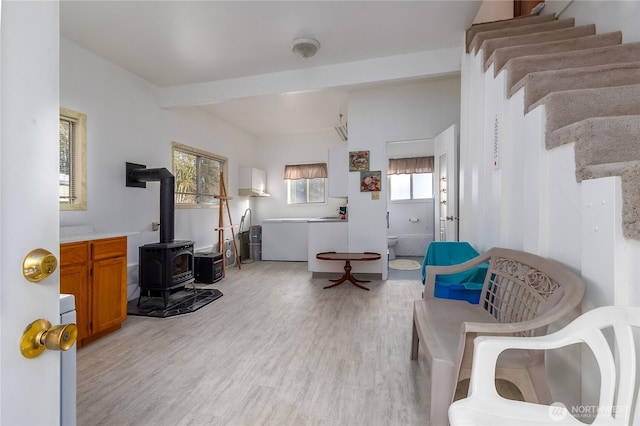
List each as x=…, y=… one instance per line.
x=167, y=200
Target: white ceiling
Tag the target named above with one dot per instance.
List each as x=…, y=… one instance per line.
x=182, y=43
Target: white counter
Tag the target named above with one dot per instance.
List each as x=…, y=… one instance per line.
x=287, y=220
x=72, y=234
x=287, y=238
x=326, y=236
x=284, y=240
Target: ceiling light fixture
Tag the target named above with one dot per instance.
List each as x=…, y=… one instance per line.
x=305, y=47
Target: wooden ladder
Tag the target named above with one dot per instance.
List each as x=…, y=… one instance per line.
x=224, y=204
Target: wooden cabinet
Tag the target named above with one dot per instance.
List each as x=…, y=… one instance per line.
x=252, y=182
x=95, y=272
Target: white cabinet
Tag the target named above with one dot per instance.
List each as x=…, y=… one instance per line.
x=338, y=172
x=284, y=239
x=326, y=236
x=252, y=182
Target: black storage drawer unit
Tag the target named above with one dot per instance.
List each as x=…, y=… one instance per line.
x=208, y=267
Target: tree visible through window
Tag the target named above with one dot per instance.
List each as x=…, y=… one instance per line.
x=197, y=175
x=72, y=160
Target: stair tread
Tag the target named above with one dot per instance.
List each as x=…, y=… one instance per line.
x=608, y=131
x=539, y=84
x=561, y=109
x=518, y=68
x=490, y=45
x=609, y=146
x=506, y=23
x=501, y=56
x=480, y=37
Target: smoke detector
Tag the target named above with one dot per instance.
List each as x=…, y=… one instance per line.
x=305, y=47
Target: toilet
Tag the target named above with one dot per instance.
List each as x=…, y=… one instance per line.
x=392, y=240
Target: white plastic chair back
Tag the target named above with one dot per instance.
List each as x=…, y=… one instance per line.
x=619, y=402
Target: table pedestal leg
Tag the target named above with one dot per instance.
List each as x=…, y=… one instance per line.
x=348, y=277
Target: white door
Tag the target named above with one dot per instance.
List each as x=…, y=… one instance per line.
x=446, y=185
x=29, y=211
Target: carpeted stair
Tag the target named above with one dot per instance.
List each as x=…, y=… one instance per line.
x=489, y=46
x=500, y=57
x=497, y=25
x=539, y=84
x=518, y=68
x=481, y=36
x=590, y=86
x=562, y=110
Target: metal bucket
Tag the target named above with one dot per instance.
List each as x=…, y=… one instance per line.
x=243, y=237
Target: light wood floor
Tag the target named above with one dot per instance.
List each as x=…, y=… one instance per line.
x=276, y=349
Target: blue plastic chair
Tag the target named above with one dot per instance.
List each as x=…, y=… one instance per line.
x=465, y=285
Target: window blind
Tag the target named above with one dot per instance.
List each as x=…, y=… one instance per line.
x=305, y=171
x=401, y=166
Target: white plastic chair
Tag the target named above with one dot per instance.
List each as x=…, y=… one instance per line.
x=617, y=374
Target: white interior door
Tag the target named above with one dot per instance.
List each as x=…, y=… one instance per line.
x=446, y=185
x=29, y=115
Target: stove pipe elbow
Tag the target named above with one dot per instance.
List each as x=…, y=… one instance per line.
x=167, y=200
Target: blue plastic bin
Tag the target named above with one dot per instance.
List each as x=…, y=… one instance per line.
x=466, y=285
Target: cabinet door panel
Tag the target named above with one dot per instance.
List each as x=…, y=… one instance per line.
x=109, y=247
x=109, y=301
x=74, y=280
x=73, y=253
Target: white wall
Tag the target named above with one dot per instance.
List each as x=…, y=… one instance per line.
x=413, y=110
x=125, y=123
x=607, y=15
x=576, y=224
x=272, y=153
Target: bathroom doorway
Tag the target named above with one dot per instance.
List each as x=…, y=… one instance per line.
x=410, y=205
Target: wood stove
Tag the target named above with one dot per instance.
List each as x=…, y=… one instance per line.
x=168, y=264
x=165, y=266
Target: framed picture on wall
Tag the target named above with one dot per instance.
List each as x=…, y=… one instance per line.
x=370, y=181
x=358, y=161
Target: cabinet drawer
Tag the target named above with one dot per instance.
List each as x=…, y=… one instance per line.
x=73, y=253
x=108, y=247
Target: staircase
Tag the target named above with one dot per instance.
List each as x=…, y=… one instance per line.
x=550, y=148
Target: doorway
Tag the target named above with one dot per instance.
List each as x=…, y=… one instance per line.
x=410, y=205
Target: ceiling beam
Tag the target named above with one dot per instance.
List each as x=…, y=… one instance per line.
x=415, y=65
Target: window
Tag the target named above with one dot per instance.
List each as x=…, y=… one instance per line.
x=73, y=160
x=410, y=178
x=413, y=186
x=306, y=183
x=197, y=175
x=305, y=191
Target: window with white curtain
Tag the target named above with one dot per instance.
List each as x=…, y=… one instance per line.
x=410, y=178
x=306, y=183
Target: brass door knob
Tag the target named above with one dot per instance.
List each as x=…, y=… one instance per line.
x=38, y=265
x=40, y=335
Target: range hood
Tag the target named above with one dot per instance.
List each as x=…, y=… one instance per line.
x=252, y=192
x=252, y=182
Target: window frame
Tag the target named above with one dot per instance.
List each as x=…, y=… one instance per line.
x=78, y=173
x=307, y=203
x=412, y=199
x=198, y=153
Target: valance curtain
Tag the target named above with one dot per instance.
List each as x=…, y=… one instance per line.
x=399, y=166
x=305, y=171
